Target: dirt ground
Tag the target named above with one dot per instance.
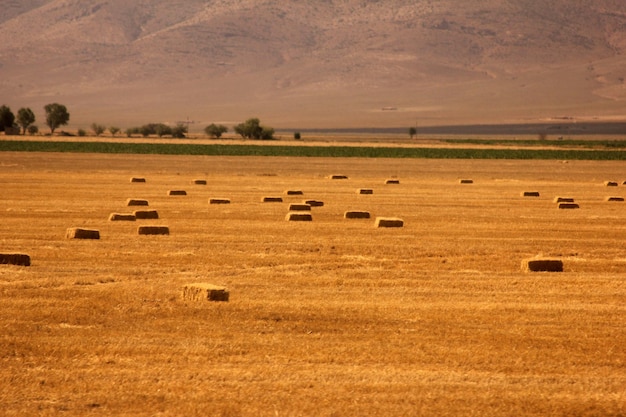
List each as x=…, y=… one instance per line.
x=331, y=317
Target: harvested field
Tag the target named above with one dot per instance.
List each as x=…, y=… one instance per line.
x=331, y=317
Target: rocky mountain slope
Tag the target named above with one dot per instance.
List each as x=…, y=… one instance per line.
x=328, y=63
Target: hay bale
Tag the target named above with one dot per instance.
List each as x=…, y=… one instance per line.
x=122, y=217
x=294, y=192
x=338, y=177
x=365, y=191
x=78, y=233
x=146, y=214
x=208, y=292
x=219, y=201
x=563, y=200
x=272, y=200
x=177, y=192
x=199, y=182
x=610, y=183
x=314, y=203
x=466, y=181
x=392, y=181
x=18, y=259
x=137, y=179
x=153, y=230
x=389, y=222
x=566, y=206
x=299, y=217
x=299, y=207
x=136, y=202
x=356, y=214
x=542, y=265
x=613, y=198
x=530, y=194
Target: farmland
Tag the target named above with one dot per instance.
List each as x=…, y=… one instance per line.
x=329, y=317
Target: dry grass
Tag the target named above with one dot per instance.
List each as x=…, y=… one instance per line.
x=330, y=317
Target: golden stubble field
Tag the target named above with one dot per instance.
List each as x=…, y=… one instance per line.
x=332, y=317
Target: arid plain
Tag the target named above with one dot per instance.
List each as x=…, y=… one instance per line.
x=329, y=318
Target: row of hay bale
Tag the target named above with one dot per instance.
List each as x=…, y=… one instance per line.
x=568, y=202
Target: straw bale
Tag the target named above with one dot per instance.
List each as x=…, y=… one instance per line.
x=202, y=291
x=563, y=200
x=614, y=198
x=392, y=181
x=314, y=203
x=338, y=177
x=568, y=206
x=356, y=214
x=294, y=192
x=389, y=222
x=530, y=194
x=78, y=233
x=610, y=183
x=146, y=214
x=466, y=181
x=365, y=191
x=137, y=179
x=18, y=259
x=199, y=182
x=177, y=192
x=272, y=199
x=542, y=265
x=219, y=201
x=117, y=217
x=299, y=207
x=153, y=230
x=136, y=202
x=299, y=217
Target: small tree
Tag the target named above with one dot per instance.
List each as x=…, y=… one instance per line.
x=25, y=118
x=215, y=131
x=81, y=132
x=178, y=131
x=297, y=136
x=97, y=129
x=412, y=132
x=252, y=129
x=7, y=118
x=56, y=115
x=162, y=129
x=33, y=130
x=114, y=130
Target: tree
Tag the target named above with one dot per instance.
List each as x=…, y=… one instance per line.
x=114, y=130
x=56, y=115
x=297, y=136
x=412, y=132
x=97, y=129
x=7, y=118
x=178, y=131
x=33, y=130
x=252, y=129
x=215, y=131
x=25, y=118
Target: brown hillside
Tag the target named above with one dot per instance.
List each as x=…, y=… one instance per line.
x=316, y=64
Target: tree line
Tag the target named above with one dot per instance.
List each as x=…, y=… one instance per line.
x=57, y=116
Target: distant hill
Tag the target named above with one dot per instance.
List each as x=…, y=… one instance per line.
x=318, y=64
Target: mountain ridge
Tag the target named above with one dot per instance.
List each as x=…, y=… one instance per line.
x=324, y=64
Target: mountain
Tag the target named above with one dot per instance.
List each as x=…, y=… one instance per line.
x=323, y=63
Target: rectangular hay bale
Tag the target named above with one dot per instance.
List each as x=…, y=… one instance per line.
x=153, y=230
x=314, y=203
x=299, y=207
x=122, y=217
x=177, y=192
x=137, y=179
x=79, y=233
x=389, y=222
x=294, y=192
x=365, y=191
x=202, y=291
x=610, y=183
x=272, y=200
x=563, y=200
x=136, y=202
x=355, y=214
x=146, y=214
x=18, y=259
x=199, y=182
x=542, y=265
x=299, y=217
x=530, y=194
x=392, y=181
x=614, y=198
x=466, y=181
x=568, y=206
x=219, y=201
x=338, y=177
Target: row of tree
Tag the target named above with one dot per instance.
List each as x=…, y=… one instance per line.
x=56, y=115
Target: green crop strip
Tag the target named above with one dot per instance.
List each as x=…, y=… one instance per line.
x=306, y=151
